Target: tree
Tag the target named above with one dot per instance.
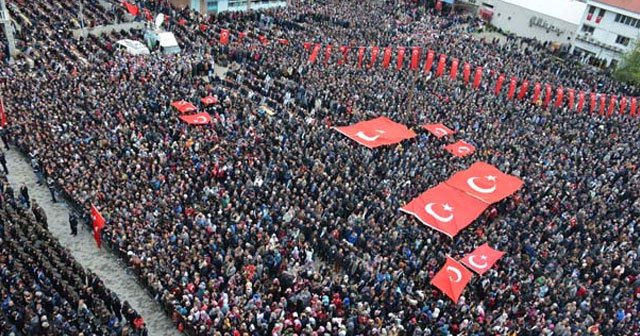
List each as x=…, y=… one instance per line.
x=629, y=69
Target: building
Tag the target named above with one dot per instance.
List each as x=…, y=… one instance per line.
x=608, y=29
x=545, y=20
x=217, y=6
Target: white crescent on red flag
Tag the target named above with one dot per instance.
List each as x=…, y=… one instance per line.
x=184, y=106
x=460, y=149
x=452, y=279
x=98, y=224
x=445, y=209
x=201, y=118
x=209, y=100
x=377, y=132
x=485, y=182
x=482, y=258
x=438, y=130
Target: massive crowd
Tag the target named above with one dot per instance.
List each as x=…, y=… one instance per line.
x=276, y=224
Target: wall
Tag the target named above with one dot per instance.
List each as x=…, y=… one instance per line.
x=98, y=30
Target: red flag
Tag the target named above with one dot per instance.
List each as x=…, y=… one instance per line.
x=499, y=85
x=314, y=53
x=386, y=59
x=482, y=258
x=209, y=100
x=415, y=57
x=572, y=94
x=612, y=105
x=603, y=102
x=592, y=101
x=147, y=14
x=3, y=114
x=283, y=41
x=623, y=105
x=485, y=182
x=441, y=64
x=559, y=96
x=524, y=88
x=454, y=69
x=445, y=209
x=438, y=130
x=547, y=95
x=263, y=39
x=98, y=224
x=580, y=101
x=429, y=63
x=224, y=36
x=376, y=132
x=634, y=104
x=201, y=118
x=400, y=58
x=466, y=72
x=184, y=106
x=460, y=149
x=181, y=22
x=360, y=56
x=327, y=53
x=203, y=27
x=512, y=88
x=374, y=56
x=131, y=8
x=307, y=45
x=477, y=78
x=344, y=50
x=536, y=92
x=452, y=279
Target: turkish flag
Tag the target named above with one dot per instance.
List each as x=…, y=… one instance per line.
x=460, y=149
x=452, y=279
x=441, y=64
x=184, y=106
x=623, y=105
x=536, y=92
x=327, y=53
x=415, y=57
x=454, y=69
x=612, y=105
x=466, y=72
x=559, y=96
x=98, y=224
x=386, y=58
x=360, y=56
x=572, y=99
x=580, y=101
x=485, y=182
x=547, y=95
x=374, y=56
x=203, y=27
x=445, y=209
x=512, y=88
x=3, y=114
x=209, y=100
x=592, y=102
x=131, y=8
x=314, y=53
x=429, y=63
x=603, y=102
x=201, y=118
x=400, y=58
x=634, y=104
x=376, y=132
x=224, y=36
x=499, y=85
x=482, y=258
x=477, y=78
x=523, y=89
x=438, y=130
x=344, y=50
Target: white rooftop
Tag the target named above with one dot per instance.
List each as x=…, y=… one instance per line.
x=566, y=10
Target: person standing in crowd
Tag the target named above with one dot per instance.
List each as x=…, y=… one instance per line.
x=3, y=162
x=5, y=138
x=73, y=223
x=52, y=190
x=38, y=212
x=24, y=196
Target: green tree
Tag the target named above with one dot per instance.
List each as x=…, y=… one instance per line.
x=629, y=69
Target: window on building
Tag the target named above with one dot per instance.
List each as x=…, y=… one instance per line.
x=592, y=9
x=622, y=40
x=588, y=29
x=618, y=17
x=602, y=11
x=638, y=24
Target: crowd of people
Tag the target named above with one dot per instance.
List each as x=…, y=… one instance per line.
x=44, y=290
x=273, y=223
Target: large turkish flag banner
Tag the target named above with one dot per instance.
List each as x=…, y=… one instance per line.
x=445, y=209
x=482, y=258
x=485, y=182
x=201, y=118
x=377, y=132
x=184, y=106
x=460, y=149
x=438, y=130
x=452, y=279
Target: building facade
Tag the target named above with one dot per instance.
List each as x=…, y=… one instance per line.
x=608, y=29
x=217, y=6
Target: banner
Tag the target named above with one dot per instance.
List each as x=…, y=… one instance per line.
x=603, y=102
x=415, y=58
x=559, y=96
x=523, y=89
x=623, y=105
x=634, y=105
x=485, y=182
x=441, y=64
x=512, y=88
x=477, y=78
x=374, y=56
x=612, y=105
x=571, y=99
x=547, y=95
x=201, y=118
x=536, y=93
x=224, y=36
x=438, y=130
x=3, y=114
x=482, y=259
x=592, y=101
x=327, y=53
x=376, y=132
x=98, y=224
x=452, y=278
x=360, y=56
x=386, y=59
x=184, y=106
x=580, y=101
x=499, y=85
x=429, y=63
x=460, y=149
x=454, y=69
x=314, y=53
x=466, y=72
x=345, y=51
x=400, y=58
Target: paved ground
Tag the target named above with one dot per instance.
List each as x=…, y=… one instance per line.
x=83, y=248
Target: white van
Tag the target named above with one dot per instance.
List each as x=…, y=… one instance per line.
x=132, y=47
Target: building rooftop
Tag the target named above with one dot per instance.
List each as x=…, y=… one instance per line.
x=566, y=10
x=630, y=5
